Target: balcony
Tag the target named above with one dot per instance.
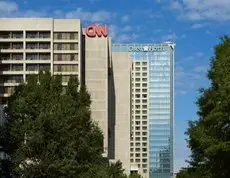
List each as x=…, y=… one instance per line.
x=38, y=46
x=38, y=58
x=66, y=57
x=37, y=67
x=11, y=68
x=11, y=58
x=66, y=48
x=38, y=35
x=8, y=35
x=65, y=36
x=11, y=47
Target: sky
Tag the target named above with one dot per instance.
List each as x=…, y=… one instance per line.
x=194, y=25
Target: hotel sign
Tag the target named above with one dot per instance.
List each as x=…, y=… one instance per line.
x=145, y=48
x=97, y=30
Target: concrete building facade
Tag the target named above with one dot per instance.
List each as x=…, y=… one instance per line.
x=131, y=85
x=30, y=45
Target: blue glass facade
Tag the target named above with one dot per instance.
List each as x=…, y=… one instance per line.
x=161, y=104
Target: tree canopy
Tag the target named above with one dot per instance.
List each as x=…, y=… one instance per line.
x=209, y=136
x=49, y=132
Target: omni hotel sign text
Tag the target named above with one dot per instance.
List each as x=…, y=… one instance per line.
x=145, y=49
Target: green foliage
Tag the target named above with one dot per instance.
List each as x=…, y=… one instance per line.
x=115, y=170
x=192, y=173
x=135, y=175
x=49, y=132
x=209, y=137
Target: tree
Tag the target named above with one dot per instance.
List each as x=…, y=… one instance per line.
x=115, y=170
x=209, y=137
x=135, y=175
x=49, y=131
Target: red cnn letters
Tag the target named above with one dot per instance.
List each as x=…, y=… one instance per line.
x=94, y=30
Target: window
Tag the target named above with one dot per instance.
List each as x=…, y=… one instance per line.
x=17, y=35
x=44, y=67
x=44, y=34
x=59, y=68
x=17, y=46
x=59, y=57
x=137, y=128
x=59, y=46
x=65, y=68
x=66, y=35
x=45, y=56
x=32, y=67
x=44, y=45
x=144, y=149
x=72, y=57
x=32, y=34
x=72, y=47
x=16, y=56
x=72, y=36
x=138, y=149
x=59, y=36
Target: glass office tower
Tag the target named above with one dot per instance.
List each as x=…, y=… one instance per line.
x=161, y=112
x=159, y=80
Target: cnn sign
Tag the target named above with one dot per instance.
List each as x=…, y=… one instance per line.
x=97, y=30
